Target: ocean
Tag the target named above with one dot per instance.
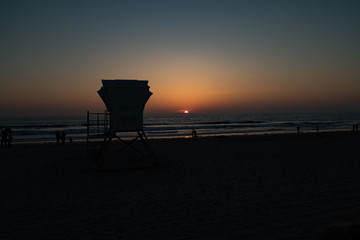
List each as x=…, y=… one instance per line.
x=42, y=129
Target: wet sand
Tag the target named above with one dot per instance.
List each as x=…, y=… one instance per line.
x=287, y=186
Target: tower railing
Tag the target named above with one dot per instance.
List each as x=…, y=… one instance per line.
x=97, y=126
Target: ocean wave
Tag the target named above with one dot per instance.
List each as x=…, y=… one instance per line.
x=230, y=122
x=181, y=125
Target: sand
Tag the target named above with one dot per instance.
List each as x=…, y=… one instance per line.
x=287, y=186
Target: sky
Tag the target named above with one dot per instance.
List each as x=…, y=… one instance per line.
x=205, y=56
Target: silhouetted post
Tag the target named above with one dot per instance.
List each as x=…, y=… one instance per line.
x=298, y=129
x=104, y=122
x=98, y=123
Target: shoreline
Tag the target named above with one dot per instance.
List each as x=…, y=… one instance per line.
x=39, y=129
x=275, y=133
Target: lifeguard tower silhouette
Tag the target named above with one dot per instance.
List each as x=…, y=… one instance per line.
x=125, y=101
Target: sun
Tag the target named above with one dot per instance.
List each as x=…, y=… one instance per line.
x=186, y=111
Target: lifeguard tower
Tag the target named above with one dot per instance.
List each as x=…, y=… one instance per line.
x=125, y=101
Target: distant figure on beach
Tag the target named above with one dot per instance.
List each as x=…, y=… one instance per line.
x=58, y=136
x=63, y=137
x=317, y=129
x=6, y=137
x=353, y=128
x=357, y=127
x=3, y=137
x=298, y=129
x=193, y=133
x=343, y=232
x=9, y=137
x=70, y=140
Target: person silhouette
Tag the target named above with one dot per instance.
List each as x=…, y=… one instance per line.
x=63, y=137
x=3, y=137
x=9, y=137
x=58, y=136
x=193, y=133
x=298, y=129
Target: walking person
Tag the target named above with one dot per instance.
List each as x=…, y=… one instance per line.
x=63, y=137
x=9, y=137
x=58, y=136
x=193, y=133
x=3, y=137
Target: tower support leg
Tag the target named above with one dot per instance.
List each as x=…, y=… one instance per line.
x=146, y=153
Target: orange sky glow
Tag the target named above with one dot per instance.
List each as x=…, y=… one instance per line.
x=224, y=57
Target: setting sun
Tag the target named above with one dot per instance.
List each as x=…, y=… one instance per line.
x=186, y=111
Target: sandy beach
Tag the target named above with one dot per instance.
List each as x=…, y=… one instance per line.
x=288, y=186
